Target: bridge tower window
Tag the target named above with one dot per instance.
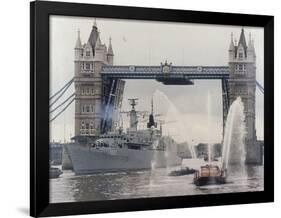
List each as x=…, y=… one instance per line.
x=82, y=124
x=87, y=66
x=240, y=67
x=91, y=127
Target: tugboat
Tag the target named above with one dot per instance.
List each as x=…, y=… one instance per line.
x=209, y=175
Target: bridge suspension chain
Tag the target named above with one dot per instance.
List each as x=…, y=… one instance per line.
x=62, y=103
x=260, y=87
x=61, y=92
x=62, y=110
x=61, y=88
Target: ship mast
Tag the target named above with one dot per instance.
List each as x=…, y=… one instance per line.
x=151, y=121
x=133, y=114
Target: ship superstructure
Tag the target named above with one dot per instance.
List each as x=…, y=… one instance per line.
x=131, y=150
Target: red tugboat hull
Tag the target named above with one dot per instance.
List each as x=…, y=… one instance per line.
x=201, y=181
x=209, y=175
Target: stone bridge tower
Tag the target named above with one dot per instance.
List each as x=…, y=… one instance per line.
x=91, y=92
x=242, y=82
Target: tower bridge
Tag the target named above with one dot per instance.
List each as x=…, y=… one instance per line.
x=99, y=85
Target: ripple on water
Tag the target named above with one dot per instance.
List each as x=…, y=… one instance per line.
x=138, y=184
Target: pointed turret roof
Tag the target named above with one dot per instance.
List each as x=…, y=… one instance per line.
x=110, y=50
x=231, y=46
x=251, y=47
x=251, y=43
x=95, y=23
x=93, y=36
x=78, y=41
x=98, y=41
x=242, y=40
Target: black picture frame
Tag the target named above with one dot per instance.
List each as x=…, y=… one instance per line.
x=39, y=107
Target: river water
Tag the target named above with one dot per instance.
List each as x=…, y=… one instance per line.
x=146, y=183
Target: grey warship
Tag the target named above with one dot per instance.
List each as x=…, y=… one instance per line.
x=118, y=150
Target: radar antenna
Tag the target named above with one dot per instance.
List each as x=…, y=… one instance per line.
x=133, y=102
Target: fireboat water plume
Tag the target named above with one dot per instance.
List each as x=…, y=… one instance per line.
x=234, y=154
x=178, y=126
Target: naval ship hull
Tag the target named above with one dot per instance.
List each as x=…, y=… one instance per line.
x=88, y=160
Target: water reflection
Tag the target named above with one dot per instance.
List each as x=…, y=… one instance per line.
x=139, y=184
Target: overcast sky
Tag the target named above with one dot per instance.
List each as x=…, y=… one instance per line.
x=150, y=43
